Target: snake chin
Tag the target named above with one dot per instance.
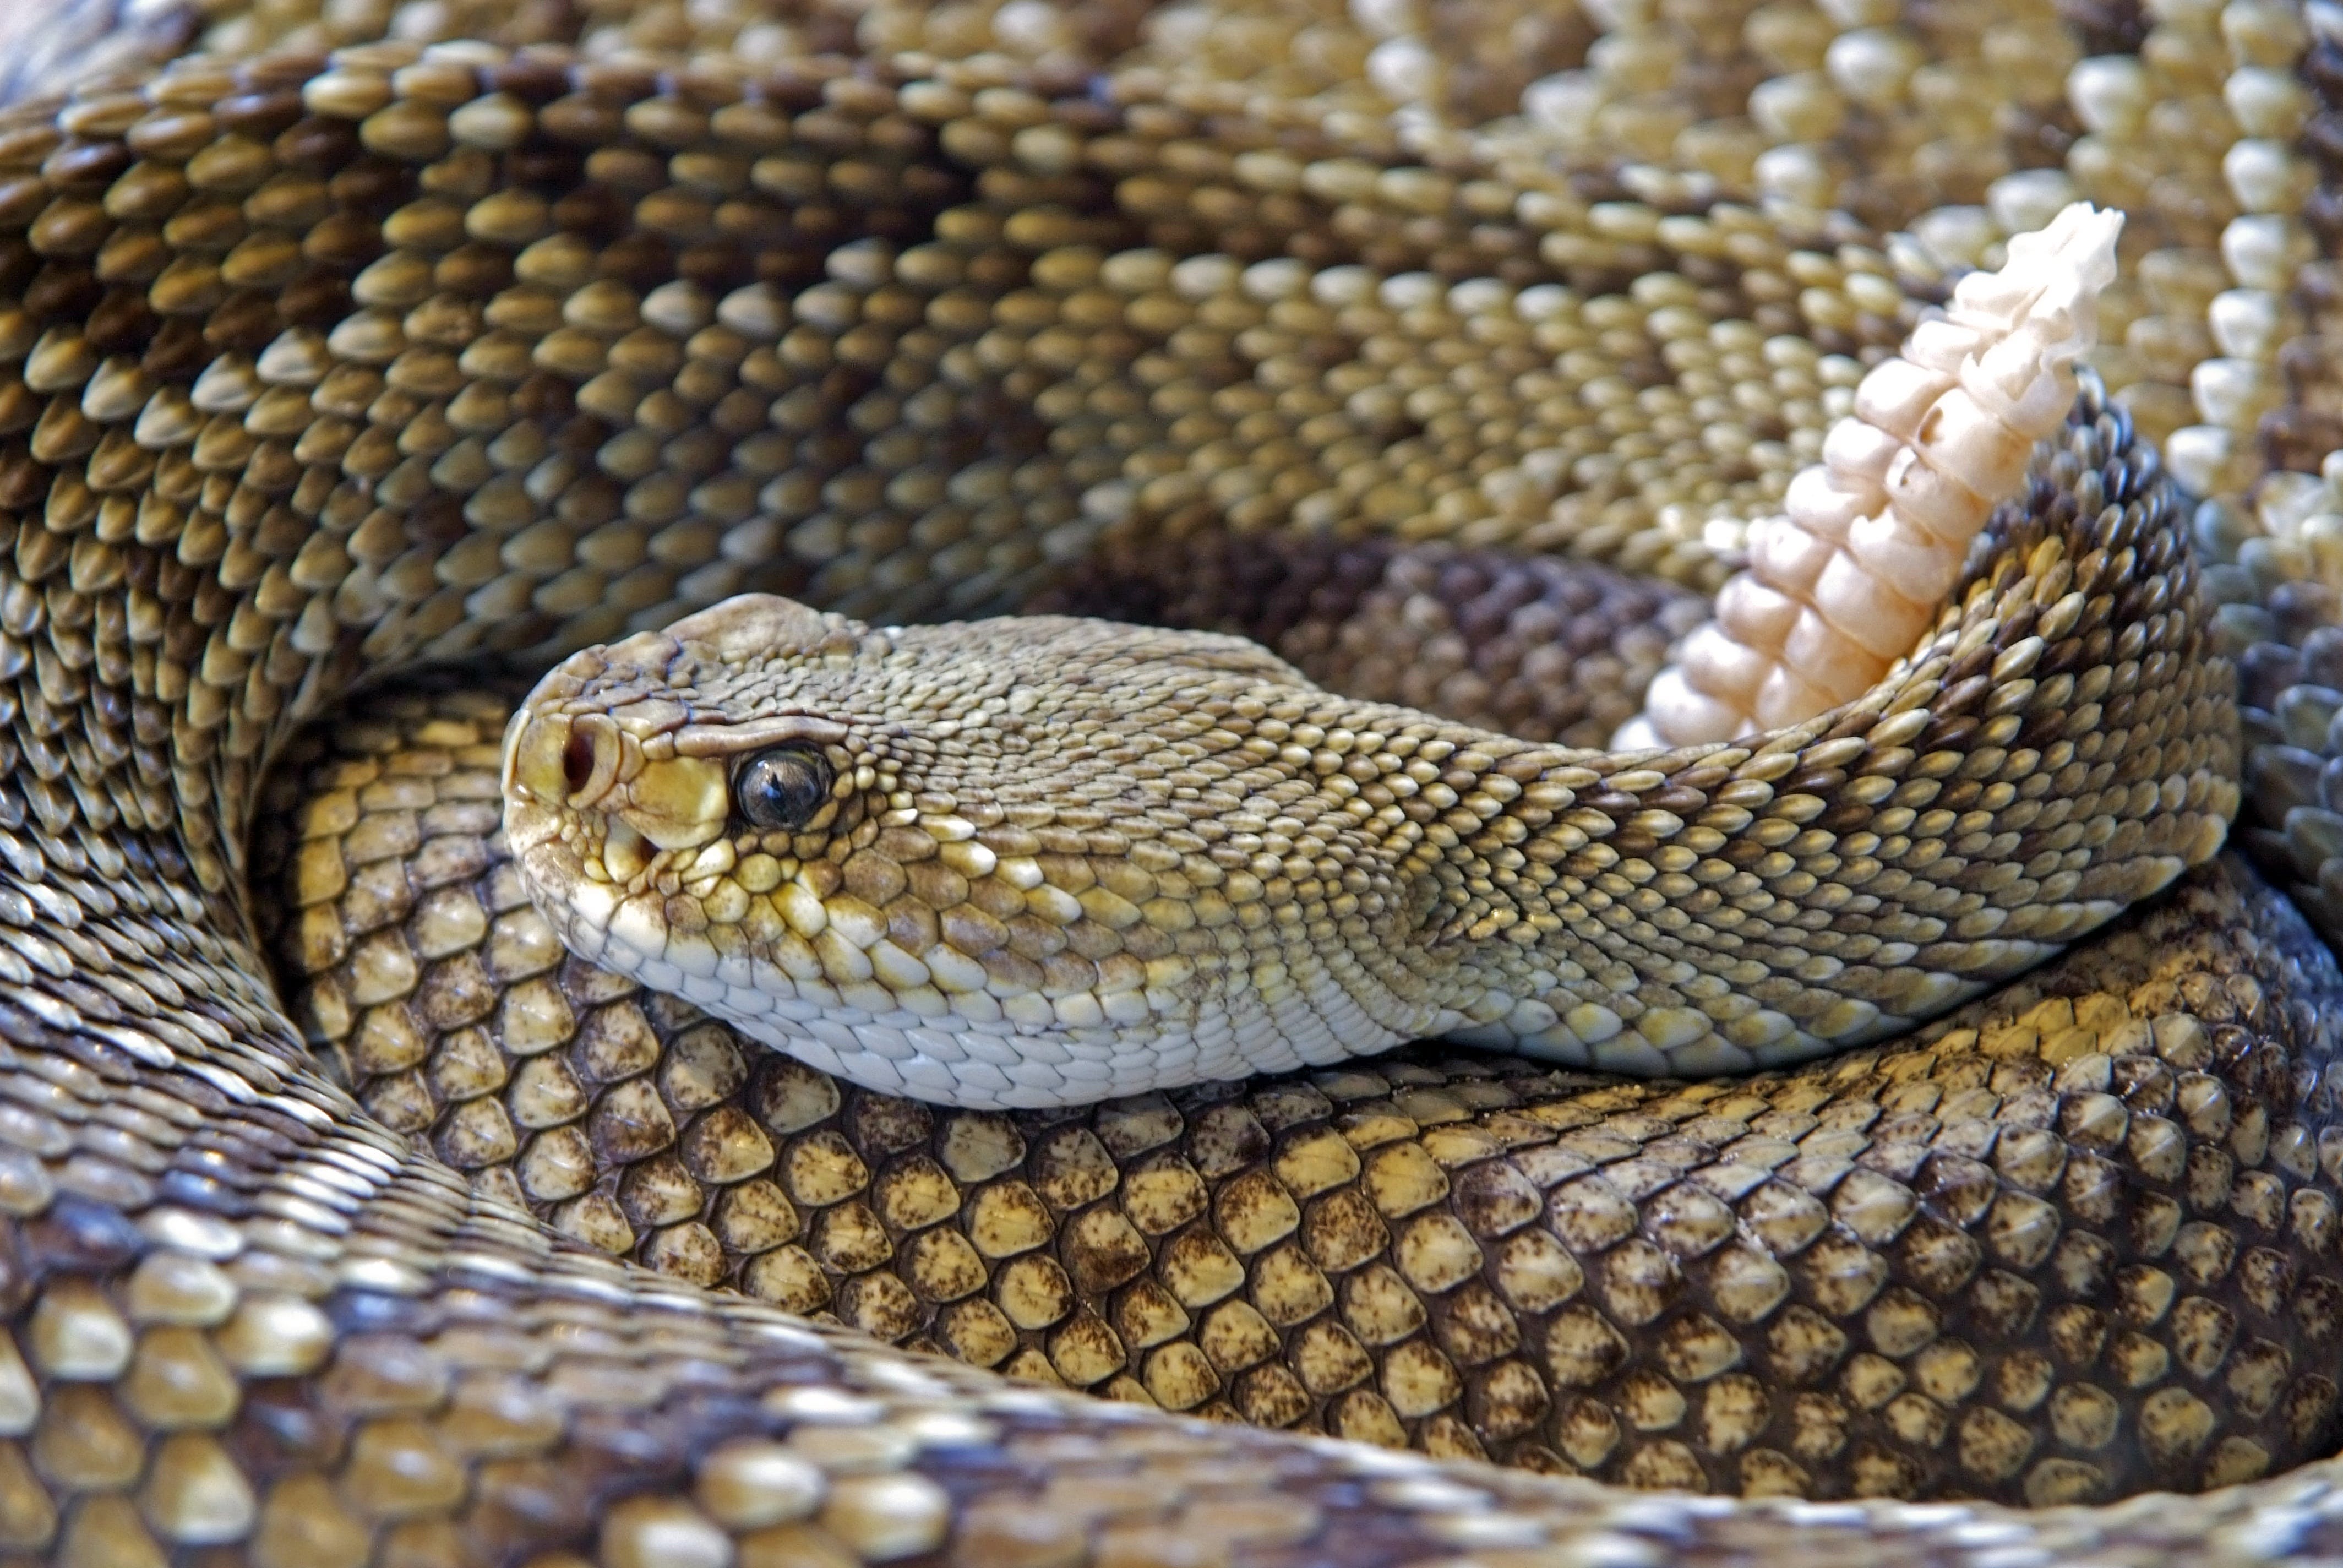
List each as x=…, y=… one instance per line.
x=1009, y=1059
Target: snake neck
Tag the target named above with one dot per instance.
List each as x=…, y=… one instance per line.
x=2013, y=787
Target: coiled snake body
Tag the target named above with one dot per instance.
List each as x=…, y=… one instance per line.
x=530, y=326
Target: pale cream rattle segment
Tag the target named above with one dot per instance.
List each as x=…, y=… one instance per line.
x=1874, y=534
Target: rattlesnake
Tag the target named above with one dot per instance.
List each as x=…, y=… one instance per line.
x=322, y=368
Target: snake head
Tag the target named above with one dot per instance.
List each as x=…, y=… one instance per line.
x=1016, y=862
x=622, y=753
x=638, y=775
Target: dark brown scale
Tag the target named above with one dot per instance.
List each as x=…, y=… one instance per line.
x=315, y=300
x=61, y=290
x=121, y=322
x=316, y=144
x=262, y=115
x=367, y=184
x=346, y=240
x=81, y=167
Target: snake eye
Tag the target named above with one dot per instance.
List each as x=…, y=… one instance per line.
x=782, y=788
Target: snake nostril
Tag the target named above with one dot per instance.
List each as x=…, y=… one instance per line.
x=578, y=761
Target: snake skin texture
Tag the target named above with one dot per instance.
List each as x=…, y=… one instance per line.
x=394, y=335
